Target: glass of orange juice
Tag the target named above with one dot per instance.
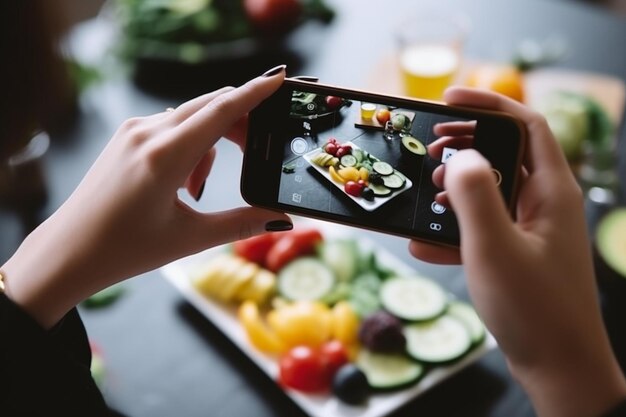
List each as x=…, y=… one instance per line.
x=430, y=47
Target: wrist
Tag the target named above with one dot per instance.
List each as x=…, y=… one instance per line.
x=574, y=385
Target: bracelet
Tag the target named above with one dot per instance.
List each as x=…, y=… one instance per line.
x=1, y=283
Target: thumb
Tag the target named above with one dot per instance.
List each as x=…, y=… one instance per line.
x=478, y=204
x=241, y=223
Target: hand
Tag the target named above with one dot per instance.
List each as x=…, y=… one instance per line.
x=125, y=217
x=531, y=280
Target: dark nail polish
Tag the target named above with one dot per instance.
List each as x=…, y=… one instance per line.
x=278, y=226
x=200, y=191
x=275, y=71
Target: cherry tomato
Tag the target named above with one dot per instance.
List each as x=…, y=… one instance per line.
x=335, y=355
x=331, y=148
x=303, y=368
x=291, y=245
x=353, y=188
x=341, y=151
x=333, y=102
x=255, y=249
x=332, y=140
x=348, y=148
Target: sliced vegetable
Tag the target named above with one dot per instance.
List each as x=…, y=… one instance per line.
x=342, y=256
x=441, y=340
x=305, y=279
x=413, y=298
x=258, y=334
x=467, y=315
x=335, y=175
x=388, y=372
x=379, y=190
x=301, y=323
x=255, y=249
x=348, y=161
x=383, y=168
x=393, y=181
x=291, y=245
x=345, y=323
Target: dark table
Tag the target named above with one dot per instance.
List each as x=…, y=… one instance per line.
x=163, y=357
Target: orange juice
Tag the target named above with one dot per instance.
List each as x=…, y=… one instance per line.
x=367, y=110
x=427, y=69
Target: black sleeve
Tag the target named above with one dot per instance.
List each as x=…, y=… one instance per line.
x=45, y=373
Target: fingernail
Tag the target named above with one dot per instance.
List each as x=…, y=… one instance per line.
x=274, y=71
x=200, y=191
x=278, y=226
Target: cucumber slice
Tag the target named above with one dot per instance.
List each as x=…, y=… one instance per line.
x=358, y=154
x=413, y=298
x=388, y=372
x=399, y=174
x=393, y=181
x=442, y=340
x=379, y=190
x=342, y=256
x=305, y=279
x=383, y=168
x=467, y=315
x=348, y=161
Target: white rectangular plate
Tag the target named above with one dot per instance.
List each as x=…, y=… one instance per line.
x=224, y=317
x=366, y=205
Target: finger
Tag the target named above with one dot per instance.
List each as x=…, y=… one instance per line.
x=196, y=180
x=204, y=128
x=231, y=225
x=456, y=128
x=443, y=199
x=239, y=132
x=435, y=149
x=434, y=254
x=190, y=107
x=543, y=152
x=438, y=176
x=483, y=219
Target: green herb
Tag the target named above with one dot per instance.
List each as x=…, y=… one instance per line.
x=289, y=168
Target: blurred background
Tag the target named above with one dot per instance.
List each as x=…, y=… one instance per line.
x=126, y=58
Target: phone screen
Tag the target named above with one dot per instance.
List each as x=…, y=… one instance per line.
x=363, y=160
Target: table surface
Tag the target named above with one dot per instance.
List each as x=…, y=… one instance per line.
x=163, y=357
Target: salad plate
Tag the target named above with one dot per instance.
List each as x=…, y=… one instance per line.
x=224, y=316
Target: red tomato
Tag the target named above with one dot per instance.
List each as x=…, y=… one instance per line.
x=335, y=356
x=303, y=368
x=273, y=15
x=353, y=188
x=255, y=249
x=341, y=151
x=333, y=102
x=291, y=245
x=332, y=140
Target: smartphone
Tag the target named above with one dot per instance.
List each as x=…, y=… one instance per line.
x=361, y=159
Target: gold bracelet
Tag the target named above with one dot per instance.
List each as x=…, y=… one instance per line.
x=1, y=283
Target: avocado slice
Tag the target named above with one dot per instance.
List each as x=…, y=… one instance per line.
x=611, y=240
x=412, y=146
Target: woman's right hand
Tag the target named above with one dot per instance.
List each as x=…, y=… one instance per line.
x=532, y=279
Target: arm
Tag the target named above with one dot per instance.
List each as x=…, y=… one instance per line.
x=125, y=217
x=532, y=280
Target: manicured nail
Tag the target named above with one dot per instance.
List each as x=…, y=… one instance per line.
x=200, y=191
x=274, y=71
x=278, y=226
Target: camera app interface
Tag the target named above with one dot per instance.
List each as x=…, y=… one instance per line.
x=367, y=162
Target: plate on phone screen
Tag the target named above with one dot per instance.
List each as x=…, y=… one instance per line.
x=365, y=204
x=224, y=317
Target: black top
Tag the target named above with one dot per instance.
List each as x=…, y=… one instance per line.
x=45, y=373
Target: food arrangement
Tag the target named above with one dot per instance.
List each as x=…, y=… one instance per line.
x=181, y=30
x=359, y=173
x=306, y=105
x=334, y=319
